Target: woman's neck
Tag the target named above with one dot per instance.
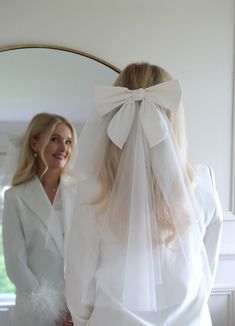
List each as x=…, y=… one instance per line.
x=50, y=182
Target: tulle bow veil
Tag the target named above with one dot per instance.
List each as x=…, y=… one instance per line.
x=143, y=258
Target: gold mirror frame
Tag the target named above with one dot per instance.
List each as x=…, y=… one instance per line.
x=61, y=48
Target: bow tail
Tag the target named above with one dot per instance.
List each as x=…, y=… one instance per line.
x=120, y=125
x=153, y=122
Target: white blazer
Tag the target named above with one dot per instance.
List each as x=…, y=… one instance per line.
x=37, y=270
x=193, y=308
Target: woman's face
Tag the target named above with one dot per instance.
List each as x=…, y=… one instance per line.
x=59, y=148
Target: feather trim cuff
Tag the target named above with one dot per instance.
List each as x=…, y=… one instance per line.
x=48, y=303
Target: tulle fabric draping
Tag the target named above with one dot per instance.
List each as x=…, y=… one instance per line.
x=140, y=259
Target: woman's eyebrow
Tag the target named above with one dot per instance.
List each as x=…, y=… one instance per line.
x=57, y=135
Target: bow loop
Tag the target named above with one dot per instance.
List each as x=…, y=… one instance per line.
x=108, y=98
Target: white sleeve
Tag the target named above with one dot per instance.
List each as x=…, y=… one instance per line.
x=14, y=246
x=212, y=236
x=81, y=263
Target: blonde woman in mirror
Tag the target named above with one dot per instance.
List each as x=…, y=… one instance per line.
x=143, y=246
x=36, y=218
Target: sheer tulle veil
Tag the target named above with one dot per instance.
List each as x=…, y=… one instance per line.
x=144, y=254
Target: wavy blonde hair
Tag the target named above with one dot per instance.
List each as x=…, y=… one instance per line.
x=41, y=123
x=135, y=76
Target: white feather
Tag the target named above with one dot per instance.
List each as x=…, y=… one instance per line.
x=48, y=303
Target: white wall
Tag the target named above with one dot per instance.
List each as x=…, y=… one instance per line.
x=191, y=39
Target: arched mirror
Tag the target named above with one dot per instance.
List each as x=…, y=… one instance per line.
x=42, y=78
x=49, y=78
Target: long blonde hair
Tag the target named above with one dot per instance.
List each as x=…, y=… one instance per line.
x=41, y=123
x=135, y=76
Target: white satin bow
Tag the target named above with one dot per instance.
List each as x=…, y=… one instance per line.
x=108, y=98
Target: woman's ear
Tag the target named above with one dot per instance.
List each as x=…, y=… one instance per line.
x=34, y=144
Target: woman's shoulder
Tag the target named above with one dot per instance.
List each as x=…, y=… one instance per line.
x=12, y=194
x=205, y=177
x=13, y=190
x=16, y=190
x=205, y=190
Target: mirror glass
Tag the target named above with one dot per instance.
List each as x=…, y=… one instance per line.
x=37, y=79
x=54, y=80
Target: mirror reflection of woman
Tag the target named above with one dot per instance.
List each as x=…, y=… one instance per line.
x=144, y=243
x=36, y=216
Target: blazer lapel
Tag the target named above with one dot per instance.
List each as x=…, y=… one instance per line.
x=36, y=199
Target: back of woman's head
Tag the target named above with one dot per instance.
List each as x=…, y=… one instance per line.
x=135, y=76
x=141, y=75
x=42, y=123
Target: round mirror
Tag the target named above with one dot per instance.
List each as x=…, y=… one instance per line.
x=42, y=78
x=39, y=78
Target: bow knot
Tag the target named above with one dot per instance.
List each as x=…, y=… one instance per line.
x=138, y=94
x=109, y=98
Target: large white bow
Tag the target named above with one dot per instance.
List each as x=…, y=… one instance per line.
x=109, y=98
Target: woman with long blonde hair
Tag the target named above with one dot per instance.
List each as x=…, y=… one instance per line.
x=143, y=248
x=35, y=219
